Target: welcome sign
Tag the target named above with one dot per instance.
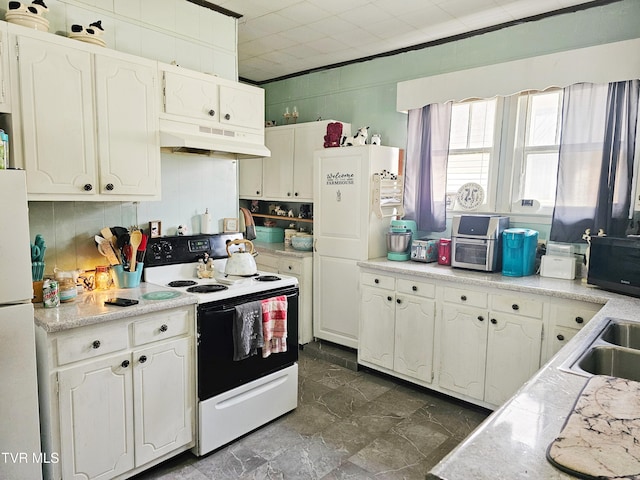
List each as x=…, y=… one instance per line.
x=340, y=178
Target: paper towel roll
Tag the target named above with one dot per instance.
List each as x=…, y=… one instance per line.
x=205, y=222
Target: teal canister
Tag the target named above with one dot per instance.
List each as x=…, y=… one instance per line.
x=519, y=252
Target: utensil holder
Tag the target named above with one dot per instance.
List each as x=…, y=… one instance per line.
x=124, y=279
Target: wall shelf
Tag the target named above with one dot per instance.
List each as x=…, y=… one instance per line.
x=282, y=218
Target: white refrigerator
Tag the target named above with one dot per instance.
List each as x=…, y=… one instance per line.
x=19, y=420
x=346, y=230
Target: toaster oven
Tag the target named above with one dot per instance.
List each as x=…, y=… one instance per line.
x=476, y=241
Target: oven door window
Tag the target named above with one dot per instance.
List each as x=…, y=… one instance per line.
x=470, y=253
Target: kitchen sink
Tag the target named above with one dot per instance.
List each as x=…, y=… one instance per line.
x=612, y=361
x=624, y=334
x=615, y=351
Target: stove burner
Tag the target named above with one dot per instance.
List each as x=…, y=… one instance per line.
x=267, y=278
x=211, y=288
x=181, y=283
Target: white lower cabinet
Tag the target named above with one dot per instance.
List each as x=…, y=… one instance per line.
x=121, y=396
x=396, y=326
x=485, y=353
x=302, y=269
x=480, y=344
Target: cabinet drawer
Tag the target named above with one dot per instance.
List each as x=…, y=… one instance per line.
x=267, y=262
x=288, y=266
x=161, y=326
x=380, y=281
x=413, y=287
x=573, y=316
x=517, y=305
x=461, y=296
x=91, y=342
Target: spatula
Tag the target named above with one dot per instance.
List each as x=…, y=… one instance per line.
x=135, y=239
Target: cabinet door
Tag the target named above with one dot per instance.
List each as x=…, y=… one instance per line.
x=242, y=106
x=377, y=325
x=191, y=97
x=277, y=170
x=513, y=345
x=164, y=401
x=96, y=419
x=307, y=139
x=56, y=101
x=250, y=177
x=463, y=350
x=128, y=145
x=415, y=318
x=5, y=99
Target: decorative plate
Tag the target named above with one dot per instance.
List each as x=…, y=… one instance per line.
x=470, y=196
x=160, y=295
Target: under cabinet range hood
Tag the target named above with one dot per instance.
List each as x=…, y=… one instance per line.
x=193, y=138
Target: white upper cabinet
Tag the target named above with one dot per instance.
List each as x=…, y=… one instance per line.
x=242, y=106
x=189, y=96
x=5, y=98
x=87, y=126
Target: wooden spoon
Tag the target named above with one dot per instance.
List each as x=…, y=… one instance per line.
x=134, y=240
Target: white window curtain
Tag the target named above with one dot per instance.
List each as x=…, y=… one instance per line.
x=426, y=167
x=595, y=166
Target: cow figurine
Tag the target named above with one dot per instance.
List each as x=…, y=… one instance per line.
x=37, y=7
x=359, y=139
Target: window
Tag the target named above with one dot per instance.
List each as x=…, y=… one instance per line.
x=537, y=145
x=471, y=144
x=526, y=159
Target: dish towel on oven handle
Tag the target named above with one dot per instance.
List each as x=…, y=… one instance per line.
x=247, y=330
x=274, y=325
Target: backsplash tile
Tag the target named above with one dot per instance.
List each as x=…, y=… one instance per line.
x=190, y=184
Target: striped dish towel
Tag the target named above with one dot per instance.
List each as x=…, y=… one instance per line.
x=274, y=325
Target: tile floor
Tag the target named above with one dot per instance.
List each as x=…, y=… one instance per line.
x=348, y=425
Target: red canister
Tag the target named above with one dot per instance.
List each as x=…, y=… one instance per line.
x=444, y=251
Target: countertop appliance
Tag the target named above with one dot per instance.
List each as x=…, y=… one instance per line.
x=476, y=241
x=519, y=247
x=346, y=230
x=614, y=264
x=234, y=397
x=19, y=422
x=400, y=237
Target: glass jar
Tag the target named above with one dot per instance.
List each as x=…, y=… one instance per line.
x=102, y=277
x=67, y=290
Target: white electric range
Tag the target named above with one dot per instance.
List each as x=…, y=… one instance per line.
x=234, y=397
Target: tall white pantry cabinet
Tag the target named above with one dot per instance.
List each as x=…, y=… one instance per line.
x=346, y=230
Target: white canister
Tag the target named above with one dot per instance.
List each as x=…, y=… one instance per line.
x=288, y=233
x=205, y=222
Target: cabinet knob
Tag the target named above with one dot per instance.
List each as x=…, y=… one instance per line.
x=257, y=192
x=288, y=194
x=398, y=301
x=494, y=321
x=375, y=280
x=163, y=328
x=295, y=194
x=211, y=113
x=515, y=306
x=87, y=187
x=109, y=186
x=414, y=288
x=481, y=318
x=290, y=267
x=227, y=117
x=95, y=344
x=463, y=298
x=389, y=298
x=579, y=320
x=142, y=359
x=560, y=337
x=125, y=364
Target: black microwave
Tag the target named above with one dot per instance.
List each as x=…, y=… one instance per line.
x=614, y=264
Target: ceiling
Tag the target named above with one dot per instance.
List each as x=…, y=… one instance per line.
x=279, y=38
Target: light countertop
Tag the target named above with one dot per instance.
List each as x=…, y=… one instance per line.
x=512, y=442
x=280, y=249
x=88, y=308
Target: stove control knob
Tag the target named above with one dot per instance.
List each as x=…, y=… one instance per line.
x=167, y=248
x=156, y=248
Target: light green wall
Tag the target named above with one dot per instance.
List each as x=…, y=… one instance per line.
x=364, y=94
